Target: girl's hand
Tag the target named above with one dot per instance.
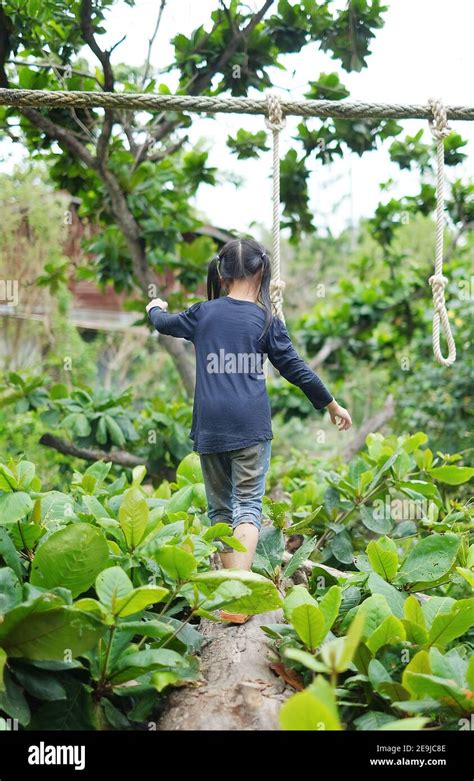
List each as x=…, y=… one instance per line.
x=335, y=412
x=156, y=302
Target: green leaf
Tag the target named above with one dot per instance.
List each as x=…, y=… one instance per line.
x=14, y=506
x=176, y=562
x=341, y=547
x=430, y=559
x=181, y=501
x=312, y=709
x=13, y=702
x=139, y=663
x=306, y=659
x=40, y=684
x=420, y=663
x=329, y=605
x=391, y=630
x=412, y=611
x=310, y=625
x=138, y=599
x=383, y=557
x=112, y=584
x=41, y=633
x=10, y=590
x=373, y=720
x=441, y=689
x=375, y=610
x=296, y=596
x=470, y=673
x=452, y=475
x=71, y=557
x=375, y=520
x=264, y=596
x=133, y=516
x=270, y=546
x=447, y=626
x=8, y=553
x=413, y=723
x=189, y=471
x=303, y=552
x=395, y=599
x=338, y=654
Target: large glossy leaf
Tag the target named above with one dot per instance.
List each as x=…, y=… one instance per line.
x=14, y=506
x=441, y=689
x=310, y=625
x=43, y=632
x=312, y=709
x=452, y=475
x=270, y=548
x=298, y=595
x=71, y=557
x=111, y=584
x=430, y=559
x=138, y=599
x=391, y=630
x=134, y=665
x=447, y=626
x=176, y=562
x=375, y=520
x=383, y=557
x=375, y=610
x=264, y=595
x=133, y=516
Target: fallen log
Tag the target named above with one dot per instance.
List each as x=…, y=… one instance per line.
x=238, y=689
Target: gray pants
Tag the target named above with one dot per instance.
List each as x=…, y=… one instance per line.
x=235, y=484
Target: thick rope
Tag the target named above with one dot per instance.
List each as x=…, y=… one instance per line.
x=227, y=105
x=275, y=122
x=440, y=129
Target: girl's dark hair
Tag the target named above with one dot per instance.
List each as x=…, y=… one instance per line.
x=238, y=259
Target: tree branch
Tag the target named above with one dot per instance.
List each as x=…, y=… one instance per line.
x=151, y=42
x=87, y=30
x=374, y=423
x=204, y=79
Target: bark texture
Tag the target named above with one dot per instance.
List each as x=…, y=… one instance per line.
x=239, y=690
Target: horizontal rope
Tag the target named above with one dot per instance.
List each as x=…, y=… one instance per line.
x=227, y=105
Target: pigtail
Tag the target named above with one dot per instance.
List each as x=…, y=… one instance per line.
x=264, y=296
x=213, y=279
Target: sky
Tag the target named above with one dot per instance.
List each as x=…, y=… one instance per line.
x=424, y=50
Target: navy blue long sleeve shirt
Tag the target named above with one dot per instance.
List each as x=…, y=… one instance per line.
x=231, y=404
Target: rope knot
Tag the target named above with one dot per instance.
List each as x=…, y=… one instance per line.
x=275, y=120
x=439, y=124
x=438, y=283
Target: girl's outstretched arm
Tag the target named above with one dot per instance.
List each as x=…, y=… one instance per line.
x=182, y=325
x=291, y=366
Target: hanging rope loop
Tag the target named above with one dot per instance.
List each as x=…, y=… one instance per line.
x=275, y=121
x=440, y=129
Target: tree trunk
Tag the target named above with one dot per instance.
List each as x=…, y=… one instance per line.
x=239, y=690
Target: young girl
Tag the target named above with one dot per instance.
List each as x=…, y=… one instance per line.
x=231, y=426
